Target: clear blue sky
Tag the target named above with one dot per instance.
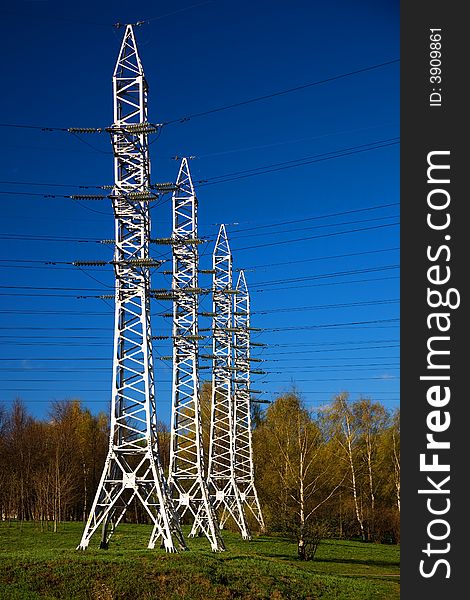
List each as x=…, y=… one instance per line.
x=327, y=303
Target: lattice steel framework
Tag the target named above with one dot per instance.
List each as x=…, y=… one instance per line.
x=244, y=472
x=132, y=469
x=221, y=472
x=186, y=474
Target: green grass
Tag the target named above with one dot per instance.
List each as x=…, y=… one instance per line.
x=45, y=565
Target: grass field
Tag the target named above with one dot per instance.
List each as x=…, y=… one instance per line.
x=45, y=565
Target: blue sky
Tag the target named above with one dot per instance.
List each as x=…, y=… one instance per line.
x=307, y=182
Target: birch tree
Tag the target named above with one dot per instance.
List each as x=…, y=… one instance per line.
x=343, y=429
x=300, y=478
x=370, y=421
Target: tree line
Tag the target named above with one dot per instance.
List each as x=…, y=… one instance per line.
x=330, y=472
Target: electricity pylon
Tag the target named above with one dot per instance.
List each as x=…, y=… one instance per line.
x=244, y=472
x=221, y=470
x=186, y=474
x=132, y=469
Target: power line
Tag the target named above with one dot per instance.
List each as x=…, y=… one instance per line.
x=59, y=358
x=42, y=369
x=330, y=358
x=40, y=127
x=285, y=165
x=260, y=312
x=323, y=258
x=109, y=359
x=43, y=266
x=314, y=237
x=66, y=336
x=287, y=368
x=284, y=142
x=217, y=109
x=332, y=392
x=331, y=325
x=70, y=265
x=10, y=193
x=41, y=288
x=345, y=343
x=61, y=344
x=275, y=224
x=163, y=401
x=53, y=312
x=322, y=350
x=317, y=217
x=267, y=168
x=47, y=238
x=350, y=379
x=327, y=275
x=106, y=370
x=331, y=153
x=352, y=281
x=260, y=290
x=66, y=185
x=175, y=12
x=340, y=368
x=106, y=288
x=310, y=227
x=67, y=381
x=324, y=306
x=280, y=93
x=31, y=237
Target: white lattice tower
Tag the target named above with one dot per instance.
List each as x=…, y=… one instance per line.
x=244, y=472
x=132, y=469
x=186, y=478
x=221, y=471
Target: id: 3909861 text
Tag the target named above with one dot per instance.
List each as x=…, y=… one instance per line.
x=435, y=67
